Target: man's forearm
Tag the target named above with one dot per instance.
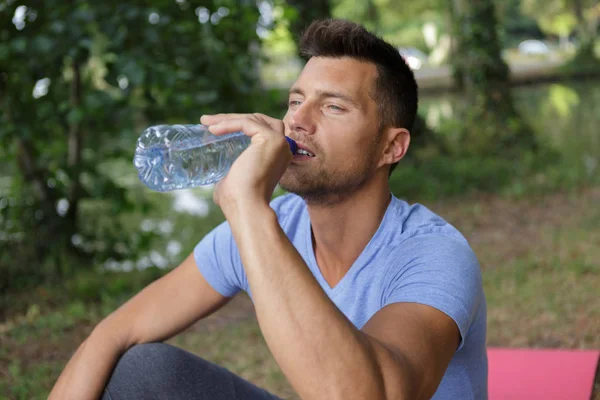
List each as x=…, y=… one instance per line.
x=317, y=347
x=87, y=372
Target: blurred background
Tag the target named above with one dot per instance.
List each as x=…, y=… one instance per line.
x=506, y=148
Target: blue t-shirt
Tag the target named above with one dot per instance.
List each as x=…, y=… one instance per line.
x=415, y=256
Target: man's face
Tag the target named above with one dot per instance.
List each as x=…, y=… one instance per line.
x=331, y=114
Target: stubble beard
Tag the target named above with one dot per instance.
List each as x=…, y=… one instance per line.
x=320, y=186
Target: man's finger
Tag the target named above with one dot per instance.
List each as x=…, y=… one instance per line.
x=211, y=119
x=247, y=125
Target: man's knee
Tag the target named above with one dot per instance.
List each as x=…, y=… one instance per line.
x=144, y=356
x=157, y=370
x=143, y=368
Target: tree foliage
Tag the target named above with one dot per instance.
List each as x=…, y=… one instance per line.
x=564, y=18
x=305, y=12
x=78, y=81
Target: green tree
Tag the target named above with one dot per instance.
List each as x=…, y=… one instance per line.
x=515, y=26
x=367, y=12
x=307, y=11
x=78, y=81
x=492, y=124
x=400, y=23
x=565, y=17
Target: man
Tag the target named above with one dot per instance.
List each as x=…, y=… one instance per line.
x=358, y=294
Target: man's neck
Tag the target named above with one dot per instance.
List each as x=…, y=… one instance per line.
x=342, y=231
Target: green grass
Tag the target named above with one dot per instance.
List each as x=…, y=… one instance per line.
x=546, y=300
x=84, y=287
x=539, y=257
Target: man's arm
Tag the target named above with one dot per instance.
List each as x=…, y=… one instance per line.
x=161, y=310
x=402, y=352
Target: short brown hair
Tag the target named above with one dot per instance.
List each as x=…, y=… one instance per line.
x=395, y=85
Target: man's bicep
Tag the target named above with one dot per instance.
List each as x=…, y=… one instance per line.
x=421, y=336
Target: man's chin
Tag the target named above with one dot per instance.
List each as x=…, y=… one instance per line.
x=290, y=183
x=295, y=187
x=290, y=188
x=311, y=193
x=313, y=189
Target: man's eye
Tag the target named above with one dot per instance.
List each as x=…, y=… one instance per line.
x=294, y=103
x=333, y=107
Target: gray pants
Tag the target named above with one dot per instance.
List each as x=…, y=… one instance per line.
x=161, y=371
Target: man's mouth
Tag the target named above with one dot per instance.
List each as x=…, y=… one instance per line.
x=304, y=152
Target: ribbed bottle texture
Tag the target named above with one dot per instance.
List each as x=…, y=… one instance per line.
x=171, y=157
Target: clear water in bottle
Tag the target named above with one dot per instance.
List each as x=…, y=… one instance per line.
x=171, y=157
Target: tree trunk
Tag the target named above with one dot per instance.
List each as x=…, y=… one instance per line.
x=492, y=124
x=586, y=32
x=30, y=171
x=453, y=13
x=373, y=14
x=69, y=224
x=75, y=143
x=582, y=27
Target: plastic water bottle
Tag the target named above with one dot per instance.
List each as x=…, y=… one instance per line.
x=171, y=157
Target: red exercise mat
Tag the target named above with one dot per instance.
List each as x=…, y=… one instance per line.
x=531, y=374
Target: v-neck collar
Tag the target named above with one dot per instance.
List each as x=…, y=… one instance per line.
x=358, y=263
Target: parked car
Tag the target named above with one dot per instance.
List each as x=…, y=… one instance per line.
x=415, y=58
x=533, y=47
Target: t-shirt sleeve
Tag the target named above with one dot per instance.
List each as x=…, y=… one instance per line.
x=439, y=271
x=218, y=259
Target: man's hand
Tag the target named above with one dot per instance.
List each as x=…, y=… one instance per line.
x=254, y=175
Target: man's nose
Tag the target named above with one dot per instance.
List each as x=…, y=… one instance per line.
x=302, y=118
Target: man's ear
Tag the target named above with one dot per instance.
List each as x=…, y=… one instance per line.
x=396, y=142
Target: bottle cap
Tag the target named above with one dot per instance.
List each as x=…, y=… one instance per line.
x=293, y=145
